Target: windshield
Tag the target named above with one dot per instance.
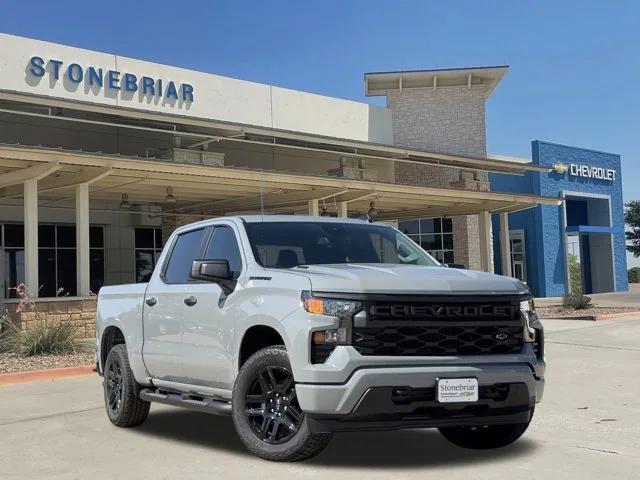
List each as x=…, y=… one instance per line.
x=289, y=244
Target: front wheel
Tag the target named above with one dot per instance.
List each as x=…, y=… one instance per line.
x=485, y=437
x=266, y=413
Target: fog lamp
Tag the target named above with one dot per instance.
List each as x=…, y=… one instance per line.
x=338, y=336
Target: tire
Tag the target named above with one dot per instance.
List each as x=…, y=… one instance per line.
x=485, y=437
x=124, y=406
x=266, y=413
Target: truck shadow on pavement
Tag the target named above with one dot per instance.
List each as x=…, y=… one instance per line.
x=398, y=449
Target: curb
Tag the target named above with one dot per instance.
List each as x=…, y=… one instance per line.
x=598, y=318
x=47, y=374
x=614, y=316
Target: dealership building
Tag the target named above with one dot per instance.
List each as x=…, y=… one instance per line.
x=102, y=156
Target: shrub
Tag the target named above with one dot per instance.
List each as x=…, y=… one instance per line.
x=633, y=275
x=577, y=302
x=40, y=338
x=575, y=298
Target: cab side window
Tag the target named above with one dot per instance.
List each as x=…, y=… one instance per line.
x=186, y=249
x=224, y=246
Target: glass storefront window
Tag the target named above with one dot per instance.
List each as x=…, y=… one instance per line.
x=148, y=246
x=435, y=235
x=56, y=259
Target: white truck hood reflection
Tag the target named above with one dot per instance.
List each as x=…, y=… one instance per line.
x=413, y=279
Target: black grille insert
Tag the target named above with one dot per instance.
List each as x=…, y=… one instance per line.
x=442, y=327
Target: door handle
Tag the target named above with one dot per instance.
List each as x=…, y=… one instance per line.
x=190, y=301
x=151, y=301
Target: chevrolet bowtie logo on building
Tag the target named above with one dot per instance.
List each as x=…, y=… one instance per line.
x=560, y=168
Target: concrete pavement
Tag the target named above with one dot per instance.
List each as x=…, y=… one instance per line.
x=588, y=427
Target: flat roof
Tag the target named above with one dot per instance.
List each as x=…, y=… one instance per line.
x=378, y=83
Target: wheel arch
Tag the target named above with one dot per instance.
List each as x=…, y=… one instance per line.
x=111, y=336
x=257, y=337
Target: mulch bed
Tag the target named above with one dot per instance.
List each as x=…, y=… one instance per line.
x=557, y=311
x=10, y=362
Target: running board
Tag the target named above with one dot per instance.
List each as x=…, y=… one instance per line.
x=186, y=400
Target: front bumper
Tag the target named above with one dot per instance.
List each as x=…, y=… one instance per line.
x=342, y=398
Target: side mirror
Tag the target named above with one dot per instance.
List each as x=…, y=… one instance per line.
x=211, y=270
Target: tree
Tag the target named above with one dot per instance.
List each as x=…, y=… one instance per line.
x=632, y=219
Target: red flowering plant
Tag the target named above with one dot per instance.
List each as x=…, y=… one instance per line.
x=40, y=336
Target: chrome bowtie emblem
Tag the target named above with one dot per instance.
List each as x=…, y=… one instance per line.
x=502, y=336
x=560, y=168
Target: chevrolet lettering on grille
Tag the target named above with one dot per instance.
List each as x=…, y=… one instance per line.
x=443, y=311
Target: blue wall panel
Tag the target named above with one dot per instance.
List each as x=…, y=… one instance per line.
x=542, y=225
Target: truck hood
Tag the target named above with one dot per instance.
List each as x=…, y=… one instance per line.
x=402, y=279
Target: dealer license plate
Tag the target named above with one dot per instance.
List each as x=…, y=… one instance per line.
x=457, y=390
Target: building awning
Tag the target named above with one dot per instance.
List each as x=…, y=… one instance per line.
x=215, y=191
x=198, y=132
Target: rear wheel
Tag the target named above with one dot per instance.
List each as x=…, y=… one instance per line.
x=266, y=412
x=124, y=406
x=485, y=437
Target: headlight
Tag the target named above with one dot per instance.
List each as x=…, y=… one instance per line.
x=323, y=342
x=527, y=306
x=533, y=330
x=330, y=306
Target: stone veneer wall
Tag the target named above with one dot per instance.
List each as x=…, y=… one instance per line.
x=445, y=120
x=80, y=312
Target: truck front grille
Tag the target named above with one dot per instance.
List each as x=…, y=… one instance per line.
x=444, y=328
x=438, y=341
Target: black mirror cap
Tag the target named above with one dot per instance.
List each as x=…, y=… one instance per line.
x=211, y=270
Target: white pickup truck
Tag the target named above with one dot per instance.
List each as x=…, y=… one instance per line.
x=299, y=327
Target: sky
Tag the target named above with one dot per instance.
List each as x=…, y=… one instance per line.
x=574, y=75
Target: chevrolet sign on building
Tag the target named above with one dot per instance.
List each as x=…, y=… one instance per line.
x=588, y=171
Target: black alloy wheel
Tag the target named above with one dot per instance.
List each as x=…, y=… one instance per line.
x=122, y=402
x=271, y=405
x=266, y=410
x=113, y=384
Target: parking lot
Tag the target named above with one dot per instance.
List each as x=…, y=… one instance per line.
x=587, y=427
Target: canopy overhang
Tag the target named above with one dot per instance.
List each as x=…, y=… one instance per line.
x=208, y=191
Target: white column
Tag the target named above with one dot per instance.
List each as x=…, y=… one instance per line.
x=342, y=209
x=505, y=245
x=485, y=241
x=82, y=239
x=31, y=237
x=314, y=208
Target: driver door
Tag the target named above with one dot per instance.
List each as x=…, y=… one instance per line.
x=209, y=325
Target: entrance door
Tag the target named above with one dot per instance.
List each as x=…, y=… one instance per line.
x=518, y=255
